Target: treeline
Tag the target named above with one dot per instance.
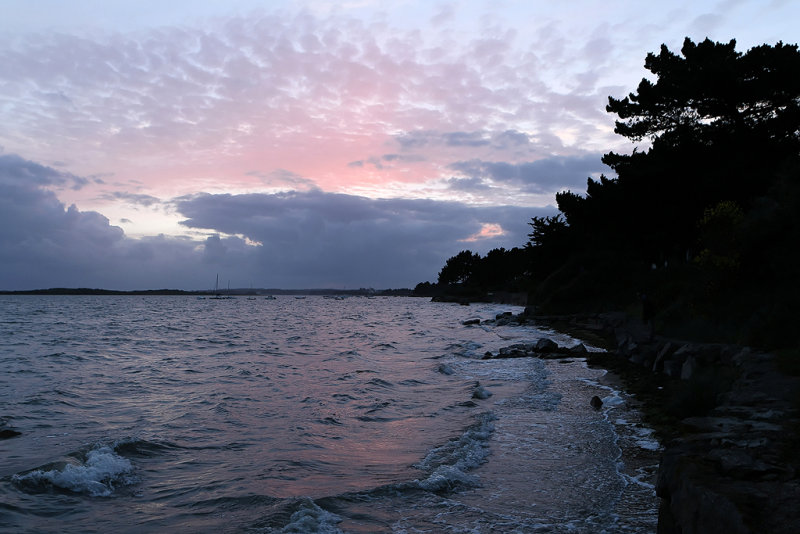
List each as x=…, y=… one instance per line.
x=705, y=222
x=96, y=291
x=469, y=274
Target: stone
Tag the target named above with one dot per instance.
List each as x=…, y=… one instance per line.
x=471, y=321
x=596, y=402
x=688, y=368
x=481, y=393
x=580, y=348
x=7, y=433
x=666, y=350
x=546, y=345
x=445, y=369
x=739, y=462
x=673, y=368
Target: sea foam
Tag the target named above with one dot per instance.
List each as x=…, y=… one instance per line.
x=98, y=474
x=447, y=465
x=310, y=518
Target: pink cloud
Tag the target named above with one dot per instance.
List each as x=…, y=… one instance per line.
x=177, y=108
x=487, y=231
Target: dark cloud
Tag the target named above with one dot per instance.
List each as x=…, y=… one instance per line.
x=347, y=240
x=293, y=239
x=468, y=139
x=27, y=174
x=547, y=175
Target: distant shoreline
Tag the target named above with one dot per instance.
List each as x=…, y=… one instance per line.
x=231, y=292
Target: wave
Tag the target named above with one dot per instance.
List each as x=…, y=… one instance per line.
x=447, y=465
x=300, y=515
x=142, y=447
x=380, y=383
x=97, y=473
x=310, y=518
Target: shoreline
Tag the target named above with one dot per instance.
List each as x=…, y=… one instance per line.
x=728, y=419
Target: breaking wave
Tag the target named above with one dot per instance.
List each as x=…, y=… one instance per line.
x=447, y=466
x=97, y=473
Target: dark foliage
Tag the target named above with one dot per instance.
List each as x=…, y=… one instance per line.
x=467, y=273
x=706, y=220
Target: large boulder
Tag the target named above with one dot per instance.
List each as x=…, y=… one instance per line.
x=546, y=345
x=578, y=349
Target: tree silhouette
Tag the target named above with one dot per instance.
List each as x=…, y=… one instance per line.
x=458, y=269
x=707, y=215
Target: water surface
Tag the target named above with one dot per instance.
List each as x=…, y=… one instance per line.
x=178, y=414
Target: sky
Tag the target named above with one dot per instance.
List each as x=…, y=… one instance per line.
x=312, y=144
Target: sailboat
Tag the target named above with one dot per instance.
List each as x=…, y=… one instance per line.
x=217, y=295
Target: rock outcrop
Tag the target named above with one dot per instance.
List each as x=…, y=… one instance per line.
x=735, y=469
x=544, y=348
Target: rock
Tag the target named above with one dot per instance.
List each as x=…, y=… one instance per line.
x=621, y=337
x=546, y=345
x=471, y=321
x=445, y=369
x=672, y=368
x=666, y=350
x=688, y=368
x=481, y=393
x=596, y=402
x=580, y=348
x=739, y=463
x=683, y=353
x=7, y=433
x=690, y=504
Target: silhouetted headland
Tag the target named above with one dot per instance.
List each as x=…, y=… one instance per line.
x=685, y=265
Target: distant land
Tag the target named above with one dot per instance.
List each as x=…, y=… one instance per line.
x=232, y=292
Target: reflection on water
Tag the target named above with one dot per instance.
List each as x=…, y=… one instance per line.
x=318, y=414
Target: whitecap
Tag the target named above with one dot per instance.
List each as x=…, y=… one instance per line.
x=310, y=518
x=97, y=475
x=448, y=464
x=612, y=400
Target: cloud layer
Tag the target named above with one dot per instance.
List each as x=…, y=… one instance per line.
x=311, y=143
x=336, y=101
x=294, y=239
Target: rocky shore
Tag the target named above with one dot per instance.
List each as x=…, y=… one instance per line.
x=729, y=418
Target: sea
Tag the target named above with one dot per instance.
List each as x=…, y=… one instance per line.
x=179, y=414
